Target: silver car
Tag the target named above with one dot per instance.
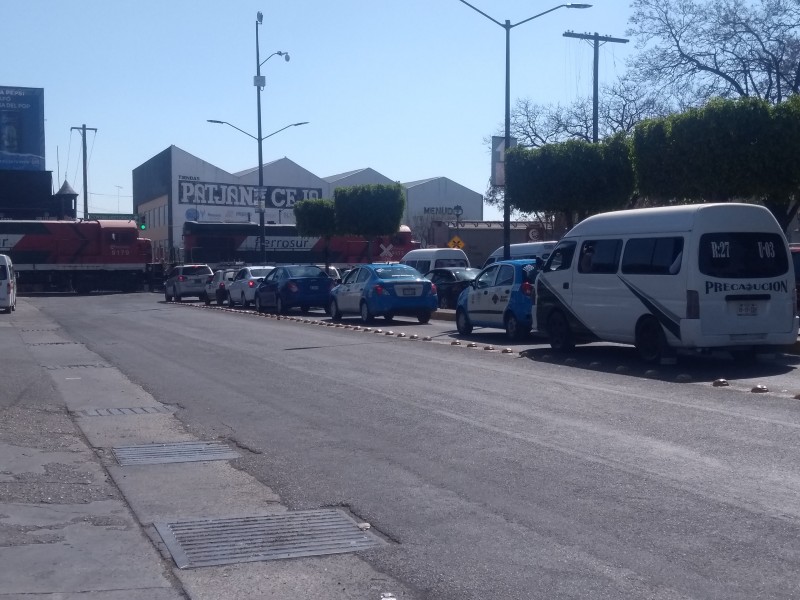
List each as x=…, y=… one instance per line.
x=242, y=289
x=216, y=287
x=186, y=280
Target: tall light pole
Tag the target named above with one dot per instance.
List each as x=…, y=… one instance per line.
x=261, y=206
x=508, y=26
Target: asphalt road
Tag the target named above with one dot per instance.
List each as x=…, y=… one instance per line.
x=494, y=475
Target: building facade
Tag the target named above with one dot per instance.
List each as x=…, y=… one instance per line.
x=174, y=187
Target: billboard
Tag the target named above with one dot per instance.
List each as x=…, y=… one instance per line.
x=22, y=129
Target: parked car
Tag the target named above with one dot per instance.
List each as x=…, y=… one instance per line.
x=384, y=290
x=242, y=289
x=216, y=287
x=186, y=280
x=306, y=286
x=500, y=296
x=450, y=281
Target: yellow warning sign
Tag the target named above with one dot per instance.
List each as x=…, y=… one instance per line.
x=456, y=243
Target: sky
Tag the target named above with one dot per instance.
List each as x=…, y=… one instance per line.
x=410, y=88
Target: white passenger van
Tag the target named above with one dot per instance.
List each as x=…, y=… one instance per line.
x=425, y=259
x=8, y=285
x=684, y=277
x=527, y=250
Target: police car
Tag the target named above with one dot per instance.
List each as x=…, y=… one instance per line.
x=501, y=296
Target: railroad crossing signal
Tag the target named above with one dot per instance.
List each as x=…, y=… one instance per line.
x=456, y=242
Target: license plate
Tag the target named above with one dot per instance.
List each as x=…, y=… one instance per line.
x=314, y=288
x=747, y=309
x=409, y=292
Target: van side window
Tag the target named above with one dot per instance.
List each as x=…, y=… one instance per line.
x=561, y=258
x=3, y=273
x=600, y=256
x=423, y=266
x=652, y=256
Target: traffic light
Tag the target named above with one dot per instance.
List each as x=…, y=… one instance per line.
x=142, y=223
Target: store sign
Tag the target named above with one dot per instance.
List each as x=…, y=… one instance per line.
x=231, y=194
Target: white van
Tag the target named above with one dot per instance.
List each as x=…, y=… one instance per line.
x=425, y=259
x=693, y=277
x=527, y=250
x=8, y=285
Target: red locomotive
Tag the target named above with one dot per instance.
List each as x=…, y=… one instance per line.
x=215, y=243
x=78, y=256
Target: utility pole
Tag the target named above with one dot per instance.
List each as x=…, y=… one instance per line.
x=83, y=129
x=597, y=39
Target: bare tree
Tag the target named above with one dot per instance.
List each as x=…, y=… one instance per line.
x=693, y=50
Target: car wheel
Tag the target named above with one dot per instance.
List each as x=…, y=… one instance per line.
x=220, y=299
x=513, y=329
x=305, y=309
x=424, y=316
x=651, y=344
x=206, y=299
x=336, y=315
x=167, y=295
x=559, y=333
x=366, y=316
x=389, y=317
x=443, y=303
x=279, y=307
x=176, y=294
x=231, y=303
x=245, y=303
x=259, y=308
x=462, y=322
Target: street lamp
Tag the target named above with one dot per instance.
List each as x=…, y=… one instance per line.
x=261, y=207
x=507, y=25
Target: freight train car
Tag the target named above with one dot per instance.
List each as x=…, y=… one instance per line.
x=78, y=256
x=216, y=243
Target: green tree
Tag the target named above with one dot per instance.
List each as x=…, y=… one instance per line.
x=316, y=218
x=574, y=178
x=369, y=210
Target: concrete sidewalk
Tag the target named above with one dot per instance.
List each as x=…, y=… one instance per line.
x=75, y=524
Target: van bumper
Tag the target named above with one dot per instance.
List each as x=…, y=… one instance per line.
x=693, y=337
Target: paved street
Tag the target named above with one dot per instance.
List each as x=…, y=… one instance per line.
x=484, y=474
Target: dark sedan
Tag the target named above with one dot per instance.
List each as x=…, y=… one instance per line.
x=449, y=283
x=306, y=286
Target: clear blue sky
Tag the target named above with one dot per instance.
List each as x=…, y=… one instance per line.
x=410, y=88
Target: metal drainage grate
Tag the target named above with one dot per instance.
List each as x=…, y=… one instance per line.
x=152, y=454
x=90, y=366
x=115, y=412
x=210, y=542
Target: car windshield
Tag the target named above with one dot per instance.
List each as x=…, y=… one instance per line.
x=306, y=271
x=259, y=272
x=398, y=272
x=466, y=274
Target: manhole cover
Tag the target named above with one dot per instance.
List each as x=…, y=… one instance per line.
x=224, y=541
x=151, y=454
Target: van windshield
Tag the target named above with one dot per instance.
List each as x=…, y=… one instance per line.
x=743, y=255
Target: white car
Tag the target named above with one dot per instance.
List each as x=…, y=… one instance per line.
x=242, y=290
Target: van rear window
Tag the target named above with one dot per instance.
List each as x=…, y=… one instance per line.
x=743, y=255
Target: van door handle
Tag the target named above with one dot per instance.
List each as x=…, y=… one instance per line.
x=565, y=285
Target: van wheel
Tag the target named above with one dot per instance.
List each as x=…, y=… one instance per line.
x=513, y=329
x=559, y=333
x=651, y=343
x=462, y=322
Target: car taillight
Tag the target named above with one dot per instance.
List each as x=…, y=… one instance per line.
x=292, y=286
x=251, y=283
x=692, y=304
x=526, y=288
x=181, y=278
x=378, y=290
x=222, y=285
x=433, y=289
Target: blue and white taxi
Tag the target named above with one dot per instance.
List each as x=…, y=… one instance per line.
x=500, y=296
